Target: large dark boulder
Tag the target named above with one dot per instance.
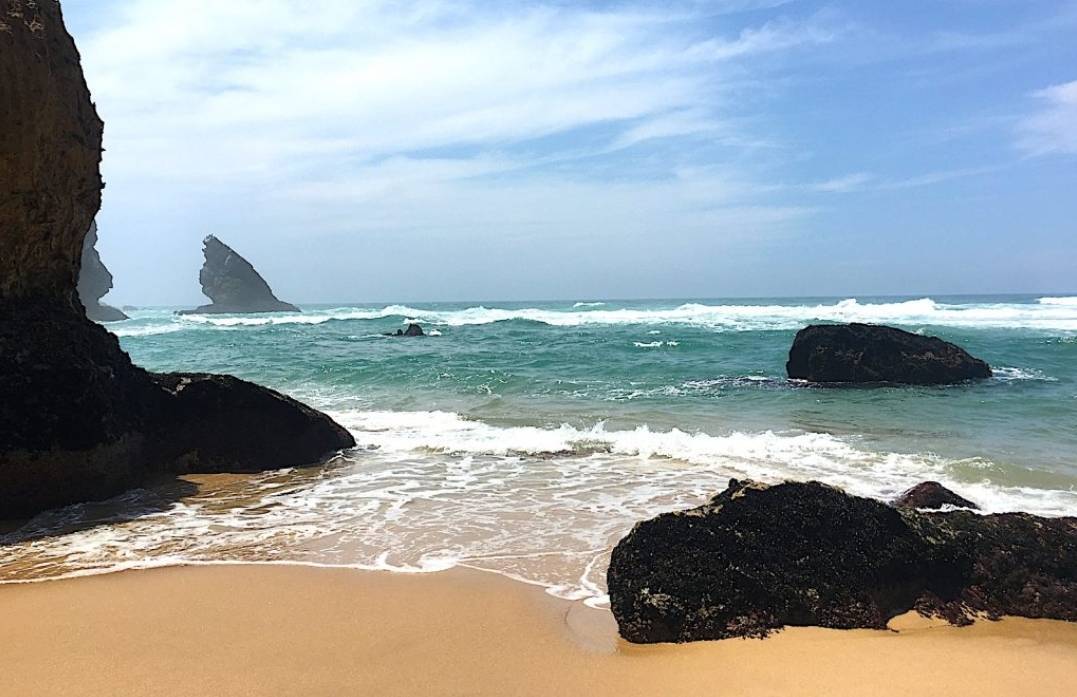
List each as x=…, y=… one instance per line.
x=79, y=421
x=868, y=353
x=757, y=558
x=232, y=284
x=95, y=281
x=219, y=423
x=931, y=495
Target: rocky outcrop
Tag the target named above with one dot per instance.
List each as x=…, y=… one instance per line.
x=95, y=282
x=931, y=495
x=868, y=353
x=412, y=330
x=78, y=420
x=232, y=284
x=757, y=558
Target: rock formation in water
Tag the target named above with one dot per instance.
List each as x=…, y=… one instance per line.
x=95, y=281
x=931, y=495
x=412, y=330
x=232, y=284
x=79, y=420
x=868, y=353
x=756, y=558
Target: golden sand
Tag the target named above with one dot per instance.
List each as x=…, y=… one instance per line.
x=288, y=630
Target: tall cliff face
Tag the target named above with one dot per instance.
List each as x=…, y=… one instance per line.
x=233, y=284
x=79, y=420
x=50, y=149
x=95, y=281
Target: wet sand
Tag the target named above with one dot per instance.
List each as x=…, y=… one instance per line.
x=289, y=630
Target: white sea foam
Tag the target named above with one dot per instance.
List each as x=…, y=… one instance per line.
x=1047, y=314
x=144, y=330
x=1065, y=301
x=594, y=304
x=425, y=491
x=1007, y=374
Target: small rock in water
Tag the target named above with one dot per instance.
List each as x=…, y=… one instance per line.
x=931, y=495
x=412, y=330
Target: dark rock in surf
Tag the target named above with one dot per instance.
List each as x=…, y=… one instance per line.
x=931, y=495
x=79, y=421
x=868, y=353
x=219, y=423
x=757, y=558
x=232, y=283
x=412, y=330
x=95, y=282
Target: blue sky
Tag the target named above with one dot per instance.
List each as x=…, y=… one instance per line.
x=438, y=150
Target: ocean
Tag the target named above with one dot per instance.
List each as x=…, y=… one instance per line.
x=527, y=438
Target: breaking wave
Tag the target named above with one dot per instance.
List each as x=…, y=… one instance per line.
x=1047, y=314
x=426, y=491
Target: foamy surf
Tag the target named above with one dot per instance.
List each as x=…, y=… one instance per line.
x=1048, y=314
x=426, y=491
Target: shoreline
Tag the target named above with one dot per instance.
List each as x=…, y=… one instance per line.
x=288, y=629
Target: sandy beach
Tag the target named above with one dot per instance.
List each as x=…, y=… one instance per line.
x=292, y=630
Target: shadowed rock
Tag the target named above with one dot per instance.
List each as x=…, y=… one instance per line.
x=95, y=282
x=931, y=495
x=79, y=421
x=868, y=353
x=232, y=284
x=757, y=558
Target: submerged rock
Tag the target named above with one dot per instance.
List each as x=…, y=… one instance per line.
x=866, y=353
x=79, y=421
x=757, y=558
x=931, y=495
x=412, y=330
x=95, y=282
x=232, y=284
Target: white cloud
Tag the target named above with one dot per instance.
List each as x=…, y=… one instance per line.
x=244, y=89
x=845, y=184
x=1052, y=129
x=371, y=119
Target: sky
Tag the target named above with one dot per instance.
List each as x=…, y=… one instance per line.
x=364, y=150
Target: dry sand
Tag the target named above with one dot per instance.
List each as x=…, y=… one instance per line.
x=288, y=630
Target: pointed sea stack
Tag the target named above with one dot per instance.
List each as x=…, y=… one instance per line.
x=870, y=353
x=95, y=282
x=79, y=421
x=232, y=284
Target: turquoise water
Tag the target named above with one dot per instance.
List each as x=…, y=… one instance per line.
x=527, y=437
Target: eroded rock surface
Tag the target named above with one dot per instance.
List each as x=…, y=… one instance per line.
x=232, y=283
x=868, y=353
x=95, y=281
x=79, y=421
x=757, y=558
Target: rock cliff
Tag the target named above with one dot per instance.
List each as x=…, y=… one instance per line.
x=79, y=420
x=95, y=282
